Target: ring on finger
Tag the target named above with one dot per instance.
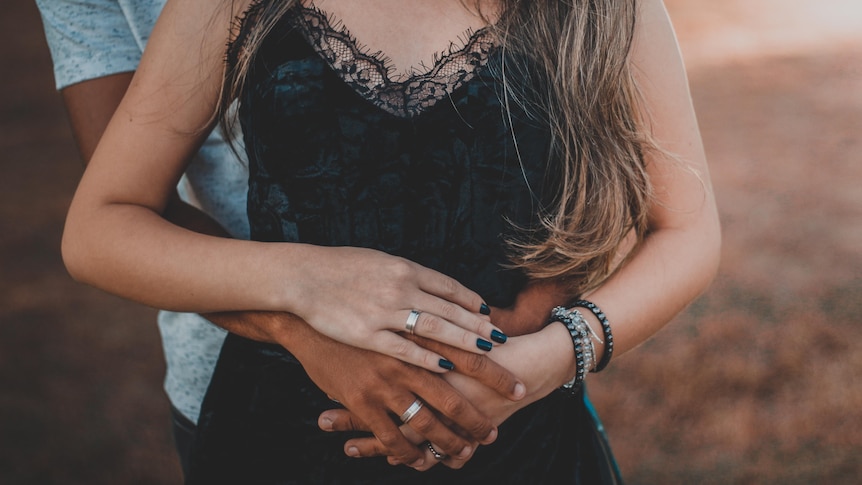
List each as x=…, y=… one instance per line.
x=411, y=411
x=411, y=321
x=437, y=454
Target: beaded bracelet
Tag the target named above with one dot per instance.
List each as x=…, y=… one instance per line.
x=584, y=350
x=606, y=329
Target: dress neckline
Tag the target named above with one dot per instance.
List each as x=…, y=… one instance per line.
x=371, y=74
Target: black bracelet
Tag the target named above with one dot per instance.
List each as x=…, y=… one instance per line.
x=579, y=331
x=606, y=329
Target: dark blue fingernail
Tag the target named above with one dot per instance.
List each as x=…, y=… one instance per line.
x=484, y=344
x=498, y=336
x=445, y=364
x=485, y=309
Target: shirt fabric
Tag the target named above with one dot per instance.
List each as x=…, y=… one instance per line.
x=95, y=38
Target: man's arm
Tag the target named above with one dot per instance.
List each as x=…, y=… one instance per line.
x=90, y=105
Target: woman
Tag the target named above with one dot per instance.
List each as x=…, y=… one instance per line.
x=556, y=142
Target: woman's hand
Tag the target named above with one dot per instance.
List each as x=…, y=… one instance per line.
x=362, y=297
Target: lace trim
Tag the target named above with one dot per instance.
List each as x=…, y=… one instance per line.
x=371, y=74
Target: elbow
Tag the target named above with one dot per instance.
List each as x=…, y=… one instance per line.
x=74, y=250
x=71, y=255
x=711, y=252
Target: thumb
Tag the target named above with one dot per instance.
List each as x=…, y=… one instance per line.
x=340, y=420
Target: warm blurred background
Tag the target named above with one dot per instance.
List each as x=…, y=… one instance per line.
x=758, y=382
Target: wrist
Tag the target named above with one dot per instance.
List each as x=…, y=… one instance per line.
x=607, y=339
x=267, y=327
x=595, y=329
x=546, y=358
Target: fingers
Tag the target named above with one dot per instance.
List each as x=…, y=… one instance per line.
x=455, y=409
x=371, y=447
x=453, y=325
x=386, y=433
x=398, y=347
x=480, y=367
x=450, y=289
x=341, y=420
x=344, y=420
x=423, y=425
x=427, y=424
x=451, y=301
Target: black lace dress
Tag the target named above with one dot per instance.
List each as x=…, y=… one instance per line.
x=431, y=168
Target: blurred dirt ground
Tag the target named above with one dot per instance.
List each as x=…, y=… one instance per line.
x=757, y=382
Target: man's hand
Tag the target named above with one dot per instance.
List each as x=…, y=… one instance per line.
x=374, y=386
x=544, y=360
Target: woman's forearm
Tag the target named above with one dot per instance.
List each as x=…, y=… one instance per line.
x=131, y=251
x=671, y=269
x=638, y=301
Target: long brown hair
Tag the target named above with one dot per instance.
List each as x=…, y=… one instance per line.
x=567, y=64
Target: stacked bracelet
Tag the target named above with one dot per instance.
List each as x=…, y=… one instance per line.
x=606, y=330
x=584, y=351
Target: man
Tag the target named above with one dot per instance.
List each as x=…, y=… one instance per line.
x=96, y=46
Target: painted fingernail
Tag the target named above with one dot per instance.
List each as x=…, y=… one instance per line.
x=446, y=364
x=353, y=451
x=484, y=344
x=485, y=309
x=498, y=336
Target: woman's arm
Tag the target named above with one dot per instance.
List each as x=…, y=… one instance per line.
x=675, y=264
x=117, y=239
x=680, y=255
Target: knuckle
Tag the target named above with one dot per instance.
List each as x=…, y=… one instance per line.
x=468, y=340
x=402, y=349
x=423, y=422
x=356, y=396
x=504, y=381
x=430, y=324
x=447, y=311
x=409, y=454
x=450, y=443
x=453, y=405
x=430, y=361
x=474, y=364
x=450, y=287
x=480, y=428
x=352, y=424
x=388, y=437
x=400, y=269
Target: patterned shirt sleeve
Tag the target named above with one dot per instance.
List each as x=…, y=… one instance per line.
x=88, y=39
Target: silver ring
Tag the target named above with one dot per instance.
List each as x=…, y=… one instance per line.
x=437, y=454
x=411, y=412
x=411, y=321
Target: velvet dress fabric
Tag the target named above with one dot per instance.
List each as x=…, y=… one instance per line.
x=429, y=167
